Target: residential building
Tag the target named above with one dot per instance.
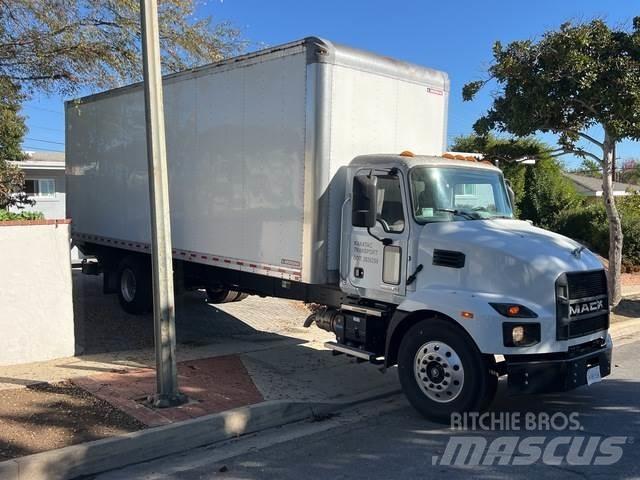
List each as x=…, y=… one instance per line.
x=592, y=186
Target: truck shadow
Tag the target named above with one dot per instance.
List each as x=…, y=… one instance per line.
x=101, y=326
x=628, y=307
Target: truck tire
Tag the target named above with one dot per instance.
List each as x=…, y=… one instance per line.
x=135, y=291
x=442, y=371
x=241, y=297
x=221, y=295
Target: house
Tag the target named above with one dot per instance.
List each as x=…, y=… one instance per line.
x=45, y=184
x=592, y=187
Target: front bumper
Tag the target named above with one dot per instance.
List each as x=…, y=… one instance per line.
x=556, y=372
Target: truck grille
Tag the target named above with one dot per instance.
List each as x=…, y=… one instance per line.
x=586, y=284
x=582, y=305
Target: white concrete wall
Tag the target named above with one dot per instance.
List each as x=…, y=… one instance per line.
x=36, y=309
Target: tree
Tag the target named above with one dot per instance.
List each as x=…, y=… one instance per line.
x=12, y=129
x=591, y=168
x=630, y=171
x=64, y=45
x=571, y=82
x=541, y=190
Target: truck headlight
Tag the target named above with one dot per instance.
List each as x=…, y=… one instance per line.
x=520, y=334
x=517, y=334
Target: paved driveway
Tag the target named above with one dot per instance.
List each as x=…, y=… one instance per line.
x=102, y=326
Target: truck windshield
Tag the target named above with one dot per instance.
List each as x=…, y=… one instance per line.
x=441, y=194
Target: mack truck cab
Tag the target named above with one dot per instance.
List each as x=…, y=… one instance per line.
x=442, y=280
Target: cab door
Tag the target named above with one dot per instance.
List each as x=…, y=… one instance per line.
x=378, y=254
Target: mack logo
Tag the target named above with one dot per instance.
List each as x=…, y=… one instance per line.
x=586, y=307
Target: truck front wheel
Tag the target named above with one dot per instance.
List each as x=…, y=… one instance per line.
x=134, y=286
x=442, y=371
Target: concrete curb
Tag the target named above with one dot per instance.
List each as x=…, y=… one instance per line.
x=116, y=452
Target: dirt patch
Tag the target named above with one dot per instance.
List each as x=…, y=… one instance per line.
x=48, y=416
x=627, y=309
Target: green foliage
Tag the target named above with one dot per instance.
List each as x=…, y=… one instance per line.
x=12, y=129
x=541, y=190
x=590, y=168
x=6, y=216
x=64, y=45
x=566, y=82
x=630, y=172
x=588, y=224
x=530, y=203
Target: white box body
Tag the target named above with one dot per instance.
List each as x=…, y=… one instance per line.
x=255, y=146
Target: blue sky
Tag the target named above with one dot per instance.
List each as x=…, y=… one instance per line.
x=454, y=36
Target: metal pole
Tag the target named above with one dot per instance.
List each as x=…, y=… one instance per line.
x=167, y=393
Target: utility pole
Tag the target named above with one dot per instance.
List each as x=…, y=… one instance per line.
x=167, y=393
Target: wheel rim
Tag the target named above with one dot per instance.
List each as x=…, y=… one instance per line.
x=438, y=371
x=128, y=285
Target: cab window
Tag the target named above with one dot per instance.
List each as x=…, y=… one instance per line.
x=389, y=210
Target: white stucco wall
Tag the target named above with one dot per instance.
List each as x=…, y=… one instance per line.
x=36, y=310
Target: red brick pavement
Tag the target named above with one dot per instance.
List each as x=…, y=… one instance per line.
x=212, y=385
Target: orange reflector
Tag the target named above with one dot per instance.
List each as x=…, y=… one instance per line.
x=448, y=155
x=407, y=153
x=513, y=310
x=466, y=314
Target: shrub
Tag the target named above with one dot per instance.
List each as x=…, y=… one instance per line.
x=589, y=224
x=6, y=216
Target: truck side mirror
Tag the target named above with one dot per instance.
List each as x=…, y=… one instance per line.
x=364, y=204
x=511, y=193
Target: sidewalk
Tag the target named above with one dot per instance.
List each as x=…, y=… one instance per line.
x=239, y=354
x=304, y=371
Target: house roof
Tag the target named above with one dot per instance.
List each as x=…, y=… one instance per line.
x=592, y=187
x=41, y=160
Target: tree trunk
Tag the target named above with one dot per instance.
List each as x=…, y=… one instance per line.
x=615, y=225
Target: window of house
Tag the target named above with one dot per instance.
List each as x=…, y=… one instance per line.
x=40, y=187
x=389, y=212
x=465, y=189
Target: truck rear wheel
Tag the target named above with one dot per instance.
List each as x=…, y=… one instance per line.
x=442, y=371
x=241, y=297
x=224, y=295
x=134, y=286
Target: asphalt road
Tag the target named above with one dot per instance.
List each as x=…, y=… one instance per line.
x=387, y=439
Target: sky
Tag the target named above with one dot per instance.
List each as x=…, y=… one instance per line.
x=454, y=36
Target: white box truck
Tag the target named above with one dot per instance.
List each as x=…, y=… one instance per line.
x=291, y=174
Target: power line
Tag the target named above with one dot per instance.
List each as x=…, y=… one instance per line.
x=28, y=147
x=44, y=141
x=43, y=109
x=46, y=128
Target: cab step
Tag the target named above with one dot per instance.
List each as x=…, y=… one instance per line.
x=362, y=355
